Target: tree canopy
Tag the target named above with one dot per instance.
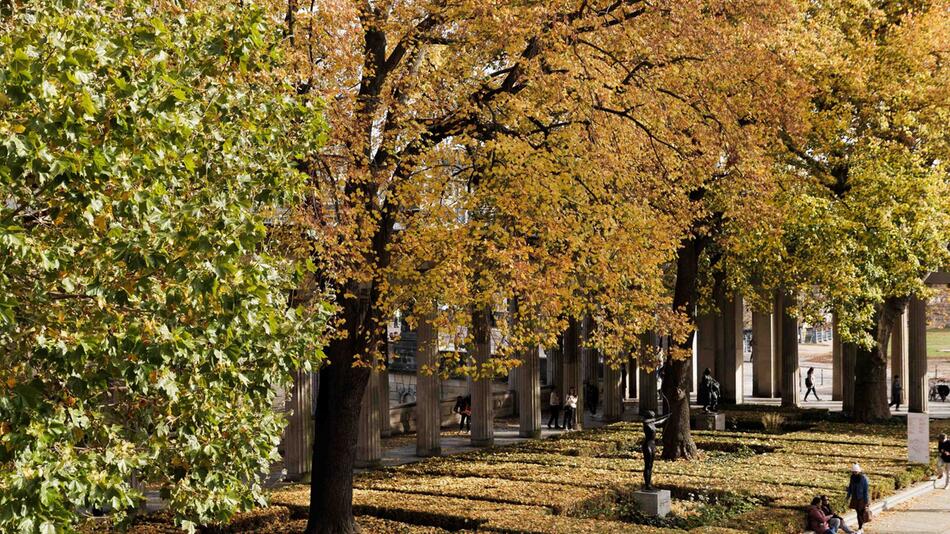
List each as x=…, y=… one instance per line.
x=144, y=317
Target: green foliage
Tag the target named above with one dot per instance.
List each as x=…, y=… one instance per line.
x=144, y=318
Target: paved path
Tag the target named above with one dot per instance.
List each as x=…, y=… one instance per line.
x=926, y=514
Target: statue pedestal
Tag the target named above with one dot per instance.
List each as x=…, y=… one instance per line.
x=709, y=421
x=918, y=438
x=653, y=503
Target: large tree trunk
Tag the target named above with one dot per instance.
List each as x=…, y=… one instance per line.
x=870, y=370
x=334, y=448
x=337, y=422
x=870, y=381
x=677, y=440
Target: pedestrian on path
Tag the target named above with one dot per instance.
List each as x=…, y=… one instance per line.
x=570, y=409
x=943, y=459
x=555, y=404
x=859, y=496
x=896, y=391
x=463, y=407
x=810, y=384
x=829, y=511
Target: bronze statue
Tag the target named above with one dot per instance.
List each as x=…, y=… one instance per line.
x=649, y=446
x=708, y=395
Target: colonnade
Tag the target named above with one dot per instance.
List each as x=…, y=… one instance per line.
x=719, y=347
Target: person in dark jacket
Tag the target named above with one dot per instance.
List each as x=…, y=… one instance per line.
x=943, y=459
x=817, y=521
x=896, y=392
x=829, y=511
x=810, y=384
x=859, y=495
x=463, y=407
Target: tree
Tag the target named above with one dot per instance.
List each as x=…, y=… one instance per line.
x=489, y=152
x=868, y=214
x=144, y=319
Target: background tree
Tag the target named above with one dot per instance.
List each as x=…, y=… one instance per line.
x=867, y=195
x=544, y=153
x=144, y=323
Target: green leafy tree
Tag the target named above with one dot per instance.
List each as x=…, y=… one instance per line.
x=866, y=197
x=144, y=319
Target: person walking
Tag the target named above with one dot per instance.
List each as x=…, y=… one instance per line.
x=463, y=407
x=570, y=409
x=810, y=384
x=943, y=459
x=896, y=391
x=859, y=496
x=555, y=405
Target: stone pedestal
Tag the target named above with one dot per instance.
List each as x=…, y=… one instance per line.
x=761, y=354
x=529, y=395
x=653, y=503
x=918, y=438
x=709, y=421
x=368, y=445
x=428, y=415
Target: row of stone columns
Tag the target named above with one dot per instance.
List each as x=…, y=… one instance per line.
x=908, y=360
x=719, y=348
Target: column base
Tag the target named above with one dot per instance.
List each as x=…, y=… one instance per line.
x=531, y=434
x=367, y=464
x=429, y=453
x=488, y=442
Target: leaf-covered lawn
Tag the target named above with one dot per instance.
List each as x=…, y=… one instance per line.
x=577, y=482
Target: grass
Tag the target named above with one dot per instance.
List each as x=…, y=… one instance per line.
x=581, y=482
x=745, y=480
x=938, y=340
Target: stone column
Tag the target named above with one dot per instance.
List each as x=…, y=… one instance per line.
x=573, y=368
x=729, y=361
x=428, y=394
x=384, y=423
x=900, y=364
x=761, y=354
x=368, y=446
x=837, y=361
x=777, y=360
x=483, y=409
x=790, y=371
x=298, y=436
x=706, y=342
x=919, y=388
x=648, y=379
x=632, y=372
x=513, y=388
x=556, y=366
x=848, y=357
x=613, y=397
x=529, y=395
